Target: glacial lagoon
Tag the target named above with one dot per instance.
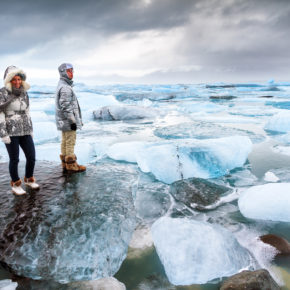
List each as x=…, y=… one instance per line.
x=133, y=215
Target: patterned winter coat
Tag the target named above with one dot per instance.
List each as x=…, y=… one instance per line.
x=67, y=109
x=14, y=118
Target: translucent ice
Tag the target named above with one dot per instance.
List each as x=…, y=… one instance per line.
x=203, y=130
x=279, y=122
x=151, y=198
x=171, y=161
x=77, y=227
x=7, y=285
x=44, y=131
x=84, y=151
x=113, y=113
x=267, y=202
x=194, y=252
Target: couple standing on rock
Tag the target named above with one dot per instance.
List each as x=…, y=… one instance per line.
x=16, y=125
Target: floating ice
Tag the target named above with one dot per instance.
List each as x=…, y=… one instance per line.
x=285, y=150
x=151, y=199
x=285, y=138
x=39, y=116
x=77, y=227
x=88, y=101
x=203, y=130
x=7, y=285
x=109, y=283
x=279, y=122
x=44, y=131
x=171, y=161
x=197, y=107
x=84, y=151
x=152, y=96
x=271, y=177
x=114, y=113
x=267, y=202
x=280, y=105
x=43, y=104
x=195, y=252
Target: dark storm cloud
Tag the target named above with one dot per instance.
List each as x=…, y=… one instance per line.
x=240, y=38
x=224, y=37
x=26, y=24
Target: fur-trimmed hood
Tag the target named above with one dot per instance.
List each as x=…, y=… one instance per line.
x=10, y=73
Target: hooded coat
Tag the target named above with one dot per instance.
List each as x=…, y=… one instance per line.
x=14, y=109
x=67, y=109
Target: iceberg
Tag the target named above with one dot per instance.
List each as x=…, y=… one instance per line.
x=194, y=252
x=279, y=122
x=77, y=227
x=179, y=159
x=266, y=202
x=115, y=113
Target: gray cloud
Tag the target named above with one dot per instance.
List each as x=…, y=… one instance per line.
x=226, y=38
x=29, y=23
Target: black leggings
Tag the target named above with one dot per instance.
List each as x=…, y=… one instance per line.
x=27, y=145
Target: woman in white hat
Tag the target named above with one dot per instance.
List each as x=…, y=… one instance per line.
x=16, y=127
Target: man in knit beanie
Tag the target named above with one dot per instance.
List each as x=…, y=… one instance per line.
x=68, y=118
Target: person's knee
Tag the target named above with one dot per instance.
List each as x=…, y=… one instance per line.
x=31, y=159
x=14, y=160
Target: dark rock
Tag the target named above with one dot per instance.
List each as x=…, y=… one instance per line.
x=277, y=242
x=266, y=97
x=219, y=86
x=251, y=280
x=76, y=227
x=222, y=97
x=197, y=192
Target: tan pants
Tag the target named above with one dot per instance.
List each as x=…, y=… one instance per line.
x=68, y=142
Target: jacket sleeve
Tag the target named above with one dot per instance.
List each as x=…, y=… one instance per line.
x=66, y=103
x=3, y=131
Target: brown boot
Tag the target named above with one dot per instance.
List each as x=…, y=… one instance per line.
x=71, y=164
x=62, y=158
x=16, y=187
x=31, y=182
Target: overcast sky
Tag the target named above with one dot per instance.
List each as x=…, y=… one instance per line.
x=148, y=41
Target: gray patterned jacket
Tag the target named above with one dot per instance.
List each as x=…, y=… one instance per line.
x=67, y=109
x=14, y=118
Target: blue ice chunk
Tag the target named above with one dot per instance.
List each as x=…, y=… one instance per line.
x=194, y=252
x=178, y=159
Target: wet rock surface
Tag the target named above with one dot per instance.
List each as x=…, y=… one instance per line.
x=251, y=280
x=197, y=192
x=76, y=227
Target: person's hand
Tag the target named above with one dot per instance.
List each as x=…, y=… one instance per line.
x=73, y=126
x=6, y=140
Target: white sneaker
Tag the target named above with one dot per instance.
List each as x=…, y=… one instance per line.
x=30, y=182
x=16, y=187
